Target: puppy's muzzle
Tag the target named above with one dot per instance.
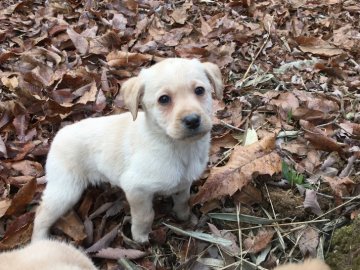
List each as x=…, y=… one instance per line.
x=192, y=121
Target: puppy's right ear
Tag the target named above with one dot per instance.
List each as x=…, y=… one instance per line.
x=132, y=91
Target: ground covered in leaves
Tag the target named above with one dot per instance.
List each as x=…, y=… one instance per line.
x=283, y=172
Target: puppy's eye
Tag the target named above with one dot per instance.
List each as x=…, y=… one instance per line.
x=164, y=99
x=199, y=91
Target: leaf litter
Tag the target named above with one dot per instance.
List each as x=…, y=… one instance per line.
x=292, y=96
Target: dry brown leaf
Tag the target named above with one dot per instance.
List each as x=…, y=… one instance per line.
x=340, y=186
x=105, y=241
x=3, y=151
x=124, y=59
x=4, y=205
x=249, y=195
x=21, y=123
x=287, y=101
x=308, y=241
x=205, y=27
x=311, y=161
x=259, y=242
x=317, y=103
x=317, y=46
x=18, y=232
x=352, y=128
x=311, y=202
x=71, y=225
x=23, y=197
x=81, y=43
x=314, y=116
x=233, y=249
x=28, y=167
x=10, y=83
x=320, y=141
x=244, y=163
x=89, y=96
x=180, y=14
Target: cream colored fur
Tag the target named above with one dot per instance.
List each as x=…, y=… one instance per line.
x=144, y=153
x=45, y=255
x=313, y=264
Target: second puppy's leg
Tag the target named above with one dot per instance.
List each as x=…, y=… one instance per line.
x=59, y=196
x=142, y=214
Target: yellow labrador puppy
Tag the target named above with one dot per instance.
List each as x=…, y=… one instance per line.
x=313, y=264
x=161, y=150
x=45, y=255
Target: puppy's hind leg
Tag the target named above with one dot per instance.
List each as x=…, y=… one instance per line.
x=60, y=194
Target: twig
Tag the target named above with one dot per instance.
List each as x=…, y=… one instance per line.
x=276, y=225
x=239, y=232
x=295, y=245
x=337, y=207
x=228, y=153
x=231, y=126
x=256, y=56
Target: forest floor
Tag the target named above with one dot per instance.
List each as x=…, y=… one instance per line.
x=283, y=178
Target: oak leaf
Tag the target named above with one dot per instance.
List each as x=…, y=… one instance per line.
x=245, y=162
x=259, y=242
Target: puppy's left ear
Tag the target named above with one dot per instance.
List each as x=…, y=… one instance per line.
x=214, y=74
x=132, y=90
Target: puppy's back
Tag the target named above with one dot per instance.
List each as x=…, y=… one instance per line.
x=46, y=255
x=313, y=264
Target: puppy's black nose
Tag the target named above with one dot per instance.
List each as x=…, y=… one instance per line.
x=192, y=121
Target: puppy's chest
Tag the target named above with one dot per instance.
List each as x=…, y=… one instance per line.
x=183, y=167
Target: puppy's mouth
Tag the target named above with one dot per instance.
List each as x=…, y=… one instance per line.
x=191, y=135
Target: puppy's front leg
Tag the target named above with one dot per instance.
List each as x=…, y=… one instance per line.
x=142, y=214
x=181, y=203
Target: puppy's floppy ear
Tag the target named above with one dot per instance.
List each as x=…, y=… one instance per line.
x=132, y=90
x=214, y=74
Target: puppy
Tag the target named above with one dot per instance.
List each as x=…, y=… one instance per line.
x=46, y=255
x=313, y=264
x=161, y=150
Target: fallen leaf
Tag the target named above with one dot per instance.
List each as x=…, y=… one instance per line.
x=340, y=186
x=28, y=167
x=22, y=198
x=10, y=83
x=105, y=241
x=286, y=101
x=311, y=202
x=250, y=137
x=245, y=162
x=259, y=242
x=233, y=249
x=80, y=42
x=351, y=128
x=317, y=46
x=4, y=205
x=320, y=141
x=127, y=59
x=71, y=225
x=18, y=232
x=180, y=14
x=3, y=151
x=308, y=242
x=89, y=96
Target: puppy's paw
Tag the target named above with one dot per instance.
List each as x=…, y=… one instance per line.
x=183, y=214
x=141, y=238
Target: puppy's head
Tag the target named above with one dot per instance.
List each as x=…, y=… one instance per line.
x=176, y=95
